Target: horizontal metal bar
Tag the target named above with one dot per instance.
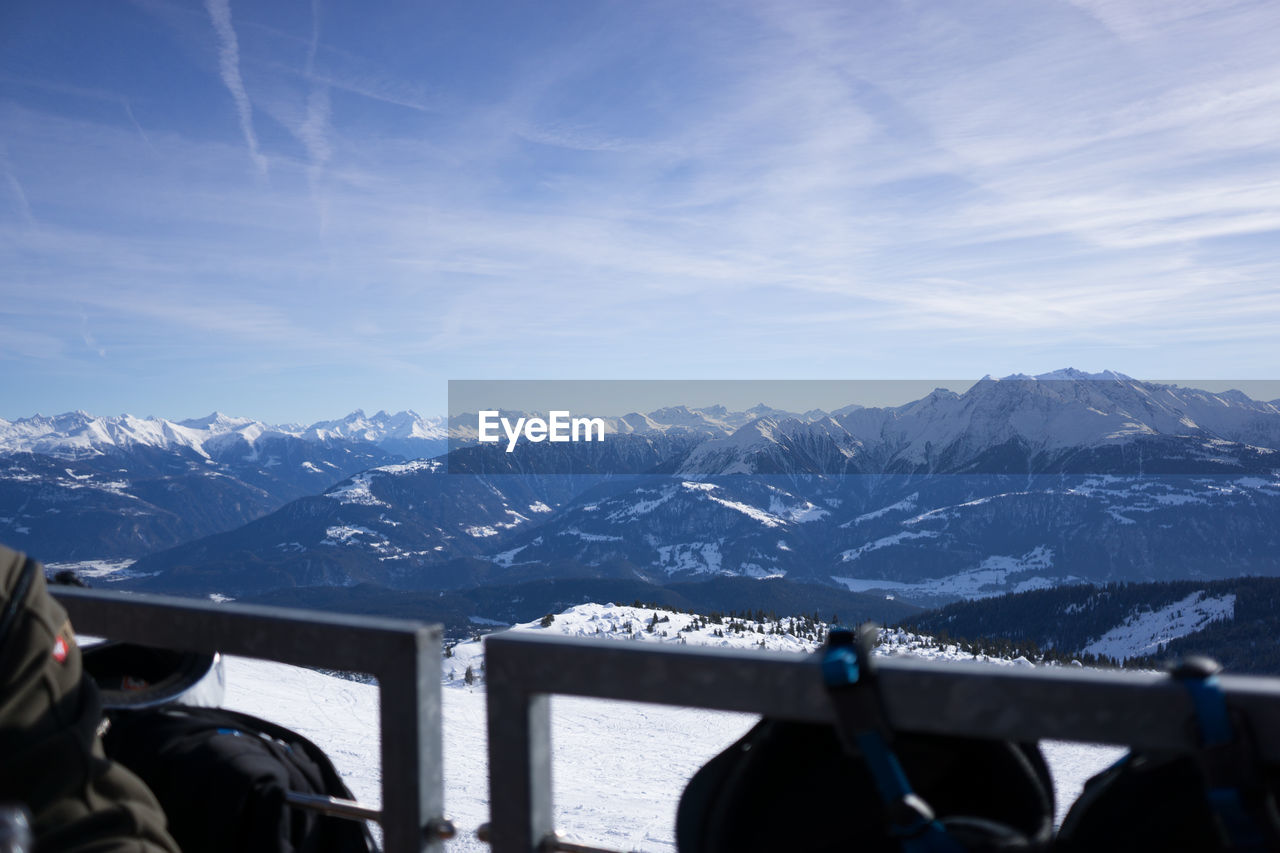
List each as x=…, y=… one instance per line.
x=298, y=637
x=333, y=806
x=1145, y=710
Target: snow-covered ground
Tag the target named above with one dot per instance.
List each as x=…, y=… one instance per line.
x=1143, y=632
x=619, y=768
x=109, y=571
x=995, y=575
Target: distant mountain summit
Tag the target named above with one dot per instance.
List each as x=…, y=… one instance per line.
x=75, y=435
x=77, y=486
x=1055, y=421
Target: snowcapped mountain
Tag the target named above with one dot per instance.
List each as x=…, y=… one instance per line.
x=1018, y=483
x=76, y=435
x=406, y=433
x=426, y=523
x=663, y=527
x=1066, y=420
x=769, y=446
x=1069, y=410
x=76, y=486
x=705, y=422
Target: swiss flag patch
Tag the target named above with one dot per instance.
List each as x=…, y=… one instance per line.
x=60, y=650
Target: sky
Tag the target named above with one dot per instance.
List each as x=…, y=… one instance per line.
x=289, y=210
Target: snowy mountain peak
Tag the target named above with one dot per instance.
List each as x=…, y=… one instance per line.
x=759, y=429
x=761, y=410
x=636, y=422
x=78, y=434
x=678, y=416
x=381, y=426
x=216, y=422
x=1066, y=374
x=1071, y=408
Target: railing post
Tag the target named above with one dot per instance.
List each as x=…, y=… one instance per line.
x=519, y=765
x=411, y=744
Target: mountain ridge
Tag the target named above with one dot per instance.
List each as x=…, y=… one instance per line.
x=1018, y=482
x=75, y=435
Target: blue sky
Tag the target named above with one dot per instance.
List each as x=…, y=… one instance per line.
x=288, y=210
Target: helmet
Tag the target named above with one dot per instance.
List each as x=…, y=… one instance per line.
x=131, y=676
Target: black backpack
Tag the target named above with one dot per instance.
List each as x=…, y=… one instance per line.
x=792, y=786
x=221, y=777
x=860, y=786
x=1217, y=799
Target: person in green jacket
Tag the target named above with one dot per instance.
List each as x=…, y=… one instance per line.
x=51, y=758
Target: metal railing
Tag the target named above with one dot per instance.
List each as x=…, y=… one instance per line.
x=1142, y=710
x=404, y=656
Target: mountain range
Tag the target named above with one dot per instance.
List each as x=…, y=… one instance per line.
x=1017, y=483
x=80, y=487
x=78, y=435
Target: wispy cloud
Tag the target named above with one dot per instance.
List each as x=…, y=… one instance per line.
x=1141, y=19
x=229, y=67
x=87, y=336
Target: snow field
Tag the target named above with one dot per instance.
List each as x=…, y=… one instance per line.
x=1144, y=631
x=618, y=767
x=618, y=770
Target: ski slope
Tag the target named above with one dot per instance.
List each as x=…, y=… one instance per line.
x=618, y=768
x=1144, y=631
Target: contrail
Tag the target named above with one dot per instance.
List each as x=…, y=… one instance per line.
x=314, y=131
x=315, y=36
x=128, y=109
x=229, y=56
x=15, y=187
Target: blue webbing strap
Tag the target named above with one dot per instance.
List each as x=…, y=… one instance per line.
x=846, y=671
x=1218, y=741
